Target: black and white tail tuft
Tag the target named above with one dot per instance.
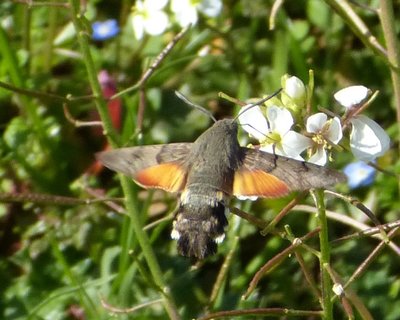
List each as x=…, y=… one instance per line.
x=198, y=229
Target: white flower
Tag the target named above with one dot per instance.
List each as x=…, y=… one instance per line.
x=325, y=132
x=367, y=139
x=294, y=94
x=186, y=10
x=351, y=96
x=274, y=131
x=210, y=8
x=148, y=17
x=254, y=122
x=294, y=88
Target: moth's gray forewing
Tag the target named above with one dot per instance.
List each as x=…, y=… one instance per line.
x=297, y=175
x=130, y=161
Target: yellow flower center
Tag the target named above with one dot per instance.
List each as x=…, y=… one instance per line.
x=272, y=138
x=319, y=139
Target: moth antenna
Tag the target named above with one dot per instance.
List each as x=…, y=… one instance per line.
x=273, y=144
x=251, y=126
x=196, y=106
x=257, y=103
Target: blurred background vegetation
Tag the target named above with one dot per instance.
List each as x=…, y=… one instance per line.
x=64, y=258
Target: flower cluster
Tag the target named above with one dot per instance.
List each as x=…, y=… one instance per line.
x=150, y=16
x=368, y=140
x=320, y=134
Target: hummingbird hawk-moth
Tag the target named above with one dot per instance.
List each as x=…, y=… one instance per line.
x=206, y=174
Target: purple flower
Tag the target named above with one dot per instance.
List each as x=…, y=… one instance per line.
x=103, y=30
x=359, y=174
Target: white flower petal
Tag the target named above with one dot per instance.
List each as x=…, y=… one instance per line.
x=179, y=5
x=335, y=131
x=295, y=88
x=280, y=119
x=185, y=12
x=155, y=4
x=367, y=139
x=210, y=8
x=294, y=143
x=298, y=157
x=274, y=149
x=316, y=122
x=139, y=7
x=148, y=17
x=156, y=23
x=253, y=122
x=138, y=26
x=351, y=96
x=319, y=157
x=187, y=17
x=270, y=148
x=279, y=150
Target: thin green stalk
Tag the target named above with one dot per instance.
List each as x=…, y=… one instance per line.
x=8, y=54
x=282, y=313
x=64, y=292
x=89, y=304
x=28, y=109
x=217, y=290
x=325, y=256
x=144, y=243
x=26, y=34
x=80, y=25
x=127, y=235
x=386, y=15
x=345, y=10
x=52, y=29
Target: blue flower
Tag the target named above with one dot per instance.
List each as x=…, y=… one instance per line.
x=103, y=30
x=359, y=174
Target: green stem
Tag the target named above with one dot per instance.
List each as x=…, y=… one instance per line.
x=344, y=9
x=144, y=242
x=325, y=256
x=8, y=54
x=386, y=15
x=81, y=27
x=88, y=303
x=51, y=30
x=29, y=109
x=26, y=35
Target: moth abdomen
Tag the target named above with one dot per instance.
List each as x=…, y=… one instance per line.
x=199, y=228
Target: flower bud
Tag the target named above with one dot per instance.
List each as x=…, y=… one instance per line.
x=294, y=93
